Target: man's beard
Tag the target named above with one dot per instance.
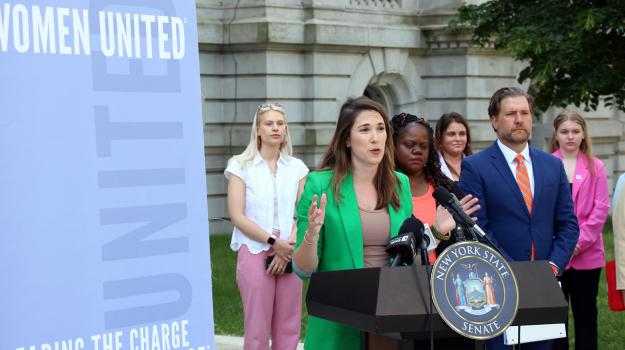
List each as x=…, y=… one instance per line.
x=518, y=137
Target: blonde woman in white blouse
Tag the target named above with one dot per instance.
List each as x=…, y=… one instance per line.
x=264, y=184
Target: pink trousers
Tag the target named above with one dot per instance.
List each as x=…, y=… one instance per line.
x=272, y=305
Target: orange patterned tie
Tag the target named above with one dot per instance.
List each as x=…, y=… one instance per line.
x=523, y=181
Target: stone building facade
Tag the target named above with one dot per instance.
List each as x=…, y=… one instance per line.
x=312, y=54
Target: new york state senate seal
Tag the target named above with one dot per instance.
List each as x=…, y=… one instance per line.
x=474, y=290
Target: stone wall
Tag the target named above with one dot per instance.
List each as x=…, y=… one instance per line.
x=313, y=54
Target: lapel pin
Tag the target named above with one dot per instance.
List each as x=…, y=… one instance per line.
x=578, y=177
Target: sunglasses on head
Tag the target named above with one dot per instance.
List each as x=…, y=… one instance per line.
x=272, y=106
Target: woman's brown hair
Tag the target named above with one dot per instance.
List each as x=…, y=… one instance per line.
x=338, y=156
x=586, y=145
x=443, y=123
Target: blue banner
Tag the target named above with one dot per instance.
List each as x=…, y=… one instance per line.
x=103, y=218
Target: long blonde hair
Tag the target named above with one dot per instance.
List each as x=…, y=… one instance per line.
x=253, y=147
x=585, y=147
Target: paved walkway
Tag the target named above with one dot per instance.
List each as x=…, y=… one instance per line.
x=227, y=342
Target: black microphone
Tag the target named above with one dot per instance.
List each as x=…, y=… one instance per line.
x=460, y=232
x=420, y=239
x=414, y=225
x=456, y=190
x=452, y=204
x=416, y=229
x=402, y=249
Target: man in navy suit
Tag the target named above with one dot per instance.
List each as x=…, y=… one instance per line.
x=524, y=194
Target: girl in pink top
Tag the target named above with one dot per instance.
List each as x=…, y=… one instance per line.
x=589, y=185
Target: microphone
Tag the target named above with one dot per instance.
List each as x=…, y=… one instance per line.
x=427, y=234
x=415, y=228
x=456, y=190
x=402, y=249
x=452, y=204
x=460, y=234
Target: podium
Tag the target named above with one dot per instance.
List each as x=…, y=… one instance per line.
x=395, y=302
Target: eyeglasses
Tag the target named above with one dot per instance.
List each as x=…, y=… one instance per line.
x=272, y=106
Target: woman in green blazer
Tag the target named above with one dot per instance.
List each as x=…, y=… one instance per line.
x=357, y=174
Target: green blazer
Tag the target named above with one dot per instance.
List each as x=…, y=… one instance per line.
x=340, y=246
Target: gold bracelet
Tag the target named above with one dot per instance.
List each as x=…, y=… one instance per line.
x=307, y=241
x=439, y=236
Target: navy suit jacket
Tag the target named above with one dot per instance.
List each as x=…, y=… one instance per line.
x=503, y=215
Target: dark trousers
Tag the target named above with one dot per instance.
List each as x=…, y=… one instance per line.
x=580, y=288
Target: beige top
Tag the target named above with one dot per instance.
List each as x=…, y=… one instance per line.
x=618, y=224
x=375, y=236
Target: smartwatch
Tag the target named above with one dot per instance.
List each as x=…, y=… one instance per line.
x=271, y=240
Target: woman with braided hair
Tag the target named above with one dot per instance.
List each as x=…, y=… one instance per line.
x=416, y=157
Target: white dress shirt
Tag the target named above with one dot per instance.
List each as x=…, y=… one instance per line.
x=259, y=194
x=445, y=167
x=509, y=154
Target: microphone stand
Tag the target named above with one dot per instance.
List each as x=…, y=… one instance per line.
x=477, y=232
x=396, y=260
x=460, y=234
x=471, y=235
x=424, y=258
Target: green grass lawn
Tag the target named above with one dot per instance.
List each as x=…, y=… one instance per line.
x=229, y=314
x=227, y=305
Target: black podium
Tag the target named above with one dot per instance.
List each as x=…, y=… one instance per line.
x=395, y=302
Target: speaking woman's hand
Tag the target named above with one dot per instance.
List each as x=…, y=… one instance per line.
x=445, y=221
x=316, y=216
x=305, y=257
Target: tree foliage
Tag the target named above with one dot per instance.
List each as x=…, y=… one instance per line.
x=575, y=49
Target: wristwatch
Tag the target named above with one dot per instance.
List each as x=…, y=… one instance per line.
x=271, y=240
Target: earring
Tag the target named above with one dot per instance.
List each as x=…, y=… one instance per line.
x=348, y=145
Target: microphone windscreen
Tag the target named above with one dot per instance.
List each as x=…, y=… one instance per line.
x=402, y=248
x=399, y=243
x=412, y=224
x=441, y=195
